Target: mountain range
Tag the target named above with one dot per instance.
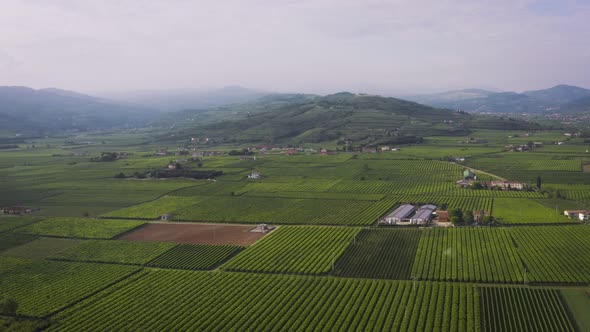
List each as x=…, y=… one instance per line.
x=346, y=117
x=558, y=99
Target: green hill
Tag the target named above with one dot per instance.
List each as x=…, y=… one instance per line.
x=363, y=119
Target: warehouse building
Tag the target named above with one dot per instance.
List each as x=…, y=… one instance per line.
x=399, y=214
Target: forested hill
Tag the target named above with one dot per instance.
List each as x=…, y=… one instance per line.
x=366, y=119
x=50, y=111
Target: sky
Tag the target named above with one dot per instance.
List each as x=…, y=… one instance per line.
x=315, y=46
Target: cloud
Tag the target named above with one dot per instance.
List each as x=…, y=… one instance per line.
x=307, y=45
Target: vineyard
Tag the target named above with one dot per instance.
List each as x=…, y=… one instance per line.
x=43, y=287
x=463, y=254
x=80, y=227
x=195, y=256
x=553, y=254
x=155, y=209
x=41, y=248
x=113, y=251
x=304, y=250
x=233, y=301
x=10, y=223
x=286, y=211
x=523, y=309
x=383, y=254
x=13, y=240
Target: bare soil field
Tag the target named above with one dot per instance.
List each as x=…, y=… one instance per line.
x=195, y=233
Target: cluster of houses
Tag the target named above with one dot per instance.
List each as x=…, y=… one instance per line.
x=18, y=210
x=469, y=179
x=407, y=214
x=254, y=175
x=523, y=147
x=582, y=215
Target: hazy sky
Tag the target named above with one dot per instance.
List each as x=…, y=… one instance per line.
x=317, y=46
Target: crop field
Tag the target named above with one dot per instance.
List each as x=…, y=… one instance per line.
x=80, y=227
x=553, y=254
x=230, y=301
x=157, y=208
x=304, y=250
x=324, y=268
x=43, y=287
x=526, y=211
x=285, y=211
x=382, y=254
x=192, y=233
x=523, y=309
x=475, y=255
x=9, y=263
x=10, y=223
x=41, y=248
x=114, y=251
x=195, y=256
x=8, y=241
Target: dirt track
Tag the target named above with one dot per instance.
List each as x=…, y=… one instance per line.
x=195, y=233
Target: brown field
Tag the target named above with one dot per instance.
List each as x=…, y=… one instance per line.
x=586, y=168
x=194, y=233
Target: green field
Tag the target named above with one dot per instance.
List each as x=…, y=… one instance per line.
x=233, y=301
x=519, y=309
x=328, y=266
x=383, y=254
x=475, y=255
x=8, y=241
x=41, y=248
x=43, y=287
x=306, y=250
x=80, y=227
x=195, y=256
x=552, y=254
x=113, y=251
x=526, y=211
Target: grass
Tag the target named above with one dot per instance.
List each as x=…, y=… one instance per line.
x=10, y=223
x=41, y=248
x=8, y=241
x=525, y=211
x=81, y=227
x=578, y=302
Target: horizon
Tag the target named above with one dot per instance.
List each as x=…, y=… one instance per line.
x=319, y=47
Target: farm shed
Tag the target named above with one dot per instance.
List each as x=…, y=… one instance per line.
x=423, y=215
x=399, y=214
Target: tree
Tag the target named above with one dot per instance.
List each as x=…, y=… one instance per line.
x=468, y=217
x=120, y=176
x=9, y=307
x=539, y=182
x=456, y=216
x=488, y=220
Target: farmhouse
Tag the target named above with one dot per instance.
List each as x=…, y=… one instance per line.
x=442, y=216
x=399, y=214
x=254, y=175
x=17, y=210
x=423, y=215
x=507, y=185
x=582, y=215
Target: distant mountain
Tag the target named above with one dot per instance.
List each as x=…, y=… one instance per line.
x=50, y=110
x=473, y=100
x=581, y=105
x=362, y=119
x=184, y=99
x=559, y=95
